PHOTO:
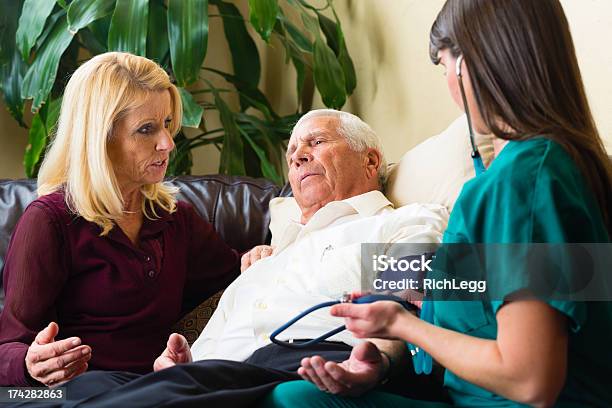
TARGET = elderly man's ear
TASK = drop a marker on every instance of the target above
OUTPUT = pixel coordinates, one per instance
(373, 160)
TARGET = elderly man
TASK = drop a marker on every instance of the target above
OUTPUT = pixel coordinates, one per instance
(336, 171)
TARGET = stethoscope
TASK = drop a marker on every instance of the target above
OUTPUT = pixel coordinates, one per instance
(422, 360)
(479, 167)
(346, 298)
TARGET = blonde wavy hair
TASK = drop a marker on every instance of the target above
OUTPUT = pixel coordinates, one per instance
(99, 92)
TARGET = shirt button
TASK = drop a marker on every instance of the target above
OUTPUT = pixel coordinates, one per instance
(151, 274)
(147, 258)
(261, 305)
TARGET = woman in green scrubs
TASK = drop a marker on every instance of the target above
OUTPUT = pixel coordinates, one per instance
(550, 182)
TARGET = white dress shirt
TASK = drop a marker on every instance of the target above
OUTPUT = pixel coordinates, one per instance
(312, 263)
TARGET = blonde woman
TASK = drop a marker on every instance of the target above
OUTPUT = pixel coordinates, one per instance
(102, 264)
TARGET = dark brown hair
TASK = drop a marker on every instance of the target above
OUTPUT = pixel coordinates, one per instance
(523, 68)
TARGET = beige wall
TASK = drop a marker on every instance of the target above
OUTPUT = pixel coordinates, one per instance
(13, 141)
(404, 97)
(591, 24)
(399, 92)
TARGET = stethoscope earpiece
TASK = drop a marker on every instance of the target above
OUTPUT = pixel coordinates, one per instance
(458, 66)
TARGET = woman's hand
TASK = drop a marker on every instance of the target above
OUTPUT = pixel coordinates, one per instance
(381, 319)
(254, 255)
(54, 362)
(177, 351)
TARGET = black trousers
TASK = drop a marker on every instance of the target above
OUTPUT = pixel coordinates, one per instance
(216, 383)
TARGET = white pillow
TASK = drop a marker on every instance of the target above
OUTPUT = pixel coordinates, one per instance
(435, 170)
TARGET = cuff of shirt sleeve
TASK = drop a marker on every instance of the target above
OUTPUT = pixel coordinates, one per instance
(14, 366)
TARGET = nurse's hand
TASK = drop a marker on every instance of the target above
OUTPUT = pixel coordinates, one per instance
(254, 255)
(54, 362)
(177, 352)
(364, 369)
(373, 320)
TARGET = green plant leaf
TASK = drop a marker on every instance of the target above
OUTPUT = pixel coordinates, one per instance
(293, 53)
(267, 168)
(328, 76)
(188, 37)
(350, 76)
(128, 27)
(297, 36)
(284, 125)
(12, 67)
(37, 140)
(31, 24)
(192, 112)
(271, 141)
(305, 4)
(157, 37)
(52, 115)
(255, 97)
(311, 24)
(300, 70)
(11, 10)
(262, 14)
(99, 28)
(232, 154)
(11, 76)
(41, 75)
(328, 26)
(181, 158)
(49, 25)
(90, 41)
(245, 57)
(335, 40)
(67, 65)
(43, 125)
(82, 12)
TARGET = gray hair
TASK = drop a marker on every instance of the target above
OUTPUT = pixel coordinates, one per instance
(358, 134)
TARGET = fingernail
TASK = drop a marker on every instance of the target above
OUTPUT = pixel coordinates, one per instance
(85, 351)
(76, 341)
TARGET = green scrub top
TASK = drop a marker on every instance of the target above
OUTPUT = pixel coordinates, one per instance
(533, 192)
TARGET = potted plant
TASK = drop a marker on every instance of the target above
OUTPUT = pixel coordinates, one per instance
(43, 41)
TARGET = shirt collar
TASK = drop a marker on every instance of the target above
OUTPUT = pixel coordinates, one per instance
(153, 226)
(365, 205)
(369, 203)
(149, 228)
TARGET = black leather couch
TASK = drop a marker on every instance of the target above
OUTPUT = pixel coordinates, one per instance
(236, 206)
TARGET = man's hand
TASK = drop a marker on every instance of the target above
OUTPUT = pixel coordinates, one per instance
(177, 351)
(254, 255)
(361, 372)
(54, 362)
